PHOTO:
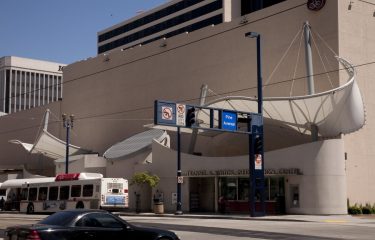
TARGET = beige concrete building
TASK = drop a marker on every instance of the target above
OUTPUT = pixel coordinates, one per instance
(112, 96)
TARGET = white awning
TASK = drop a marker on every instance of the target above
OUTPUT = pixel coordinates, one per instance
(340, 110)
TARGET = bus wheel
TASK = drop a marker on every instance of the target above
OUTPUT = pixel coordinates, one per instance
(80, 205)
(30, 208)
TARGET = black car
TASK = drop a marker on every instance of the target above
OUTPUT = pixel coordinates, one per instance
(84, 224)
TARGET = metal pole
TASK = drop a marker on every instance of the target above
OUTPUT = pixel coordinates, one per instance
(179, 201)
(308, 54)
(194, 134)
(256, 180)
(310, 73)
(67, 124)
(259, 76)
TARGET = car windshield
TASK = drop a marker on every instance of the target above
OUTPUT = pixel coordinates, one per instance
(59, 218)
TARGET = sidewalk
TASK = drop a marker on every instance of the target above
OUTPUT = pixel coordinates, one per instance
(290, 218)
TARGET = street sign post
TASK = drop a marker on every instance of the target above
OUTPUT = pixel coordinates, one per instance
(182, 115)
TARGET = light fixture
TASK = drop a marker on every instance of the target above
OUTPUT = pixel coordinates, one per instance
(164, 42)
(244, 21)
(350, 5)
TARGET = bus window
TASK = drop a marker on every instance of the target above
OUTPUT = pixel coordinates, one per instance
(3, 192)
(87, 190)
(53, 191)
(42, 193)
(24, 193)
(76, 191)
(32, 194)
(64, 192)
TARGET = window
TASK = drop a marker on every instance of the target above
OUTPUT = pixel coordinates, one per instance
(211, 7)
(233, 188)
(59, 219)
(64, 192)
(149, 18)
(42, 193)
(99, 220)
(87, 190)
(24, 193)
(248, 6)
(243, 189)
(76, 191)
(53, 192)
(228, 188)
(32, 194)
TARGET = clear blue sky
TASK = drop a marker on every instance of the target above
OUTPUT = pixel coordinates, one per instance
(61, 31)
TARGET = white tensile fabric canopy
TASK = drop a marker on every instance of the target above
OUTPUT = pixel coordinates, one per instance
(340, 110)
(136, 143)
(49, 145)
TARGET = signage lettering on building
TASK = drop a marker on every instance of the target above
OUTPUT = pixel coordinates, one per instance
(232, 172)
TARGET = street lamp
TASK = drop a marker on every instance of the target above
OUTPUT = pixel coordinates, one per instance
(259, 69)
(256, 172)
(68, 124)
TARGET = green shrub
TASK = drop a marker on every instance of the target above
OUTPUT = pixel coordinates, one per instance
(147, 178)
(373, 209)
(355, 209)
(366, 209)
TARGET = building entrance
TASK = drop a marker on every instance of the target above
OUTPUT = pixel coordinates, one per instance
(202, 194)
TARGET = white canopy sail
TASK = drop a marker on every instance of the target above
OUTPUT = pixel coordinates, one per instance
(336, 111)
(49, 145)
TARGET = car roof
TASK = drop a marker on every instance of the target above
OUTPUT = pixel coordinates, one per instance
(82, 210)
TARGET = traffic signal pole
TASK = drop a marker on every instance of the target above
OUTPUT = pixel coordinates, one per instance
(256, 150)
(179, 197)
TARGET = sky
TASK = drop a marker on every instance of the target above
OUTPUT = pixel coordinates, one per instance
(61, 31)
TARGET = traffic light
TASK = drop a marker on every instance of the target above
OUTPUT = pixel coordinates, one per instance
(258, 145)
(190, 116)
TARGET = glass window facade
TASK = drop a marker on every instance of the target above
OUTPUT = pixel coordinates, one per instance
(147, 19)
(249, 6)
(211, 7)
(237, 188)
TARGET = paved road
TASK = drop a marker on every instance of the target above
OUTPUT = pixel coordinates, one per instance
(269, 228)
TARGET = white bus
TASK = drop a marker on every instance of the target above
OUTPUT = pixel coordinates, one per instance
(72, 190)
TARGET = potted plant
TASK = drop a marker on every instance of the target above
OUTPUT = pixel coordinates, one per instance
(150, 180)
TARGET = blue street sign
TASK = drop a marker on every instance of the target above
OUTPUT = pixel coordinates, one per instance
(165, 113)
(229, 120)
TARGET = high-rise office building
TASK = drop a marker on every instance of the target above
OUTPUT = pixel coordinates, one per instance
(27, 83)
(173, 18)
